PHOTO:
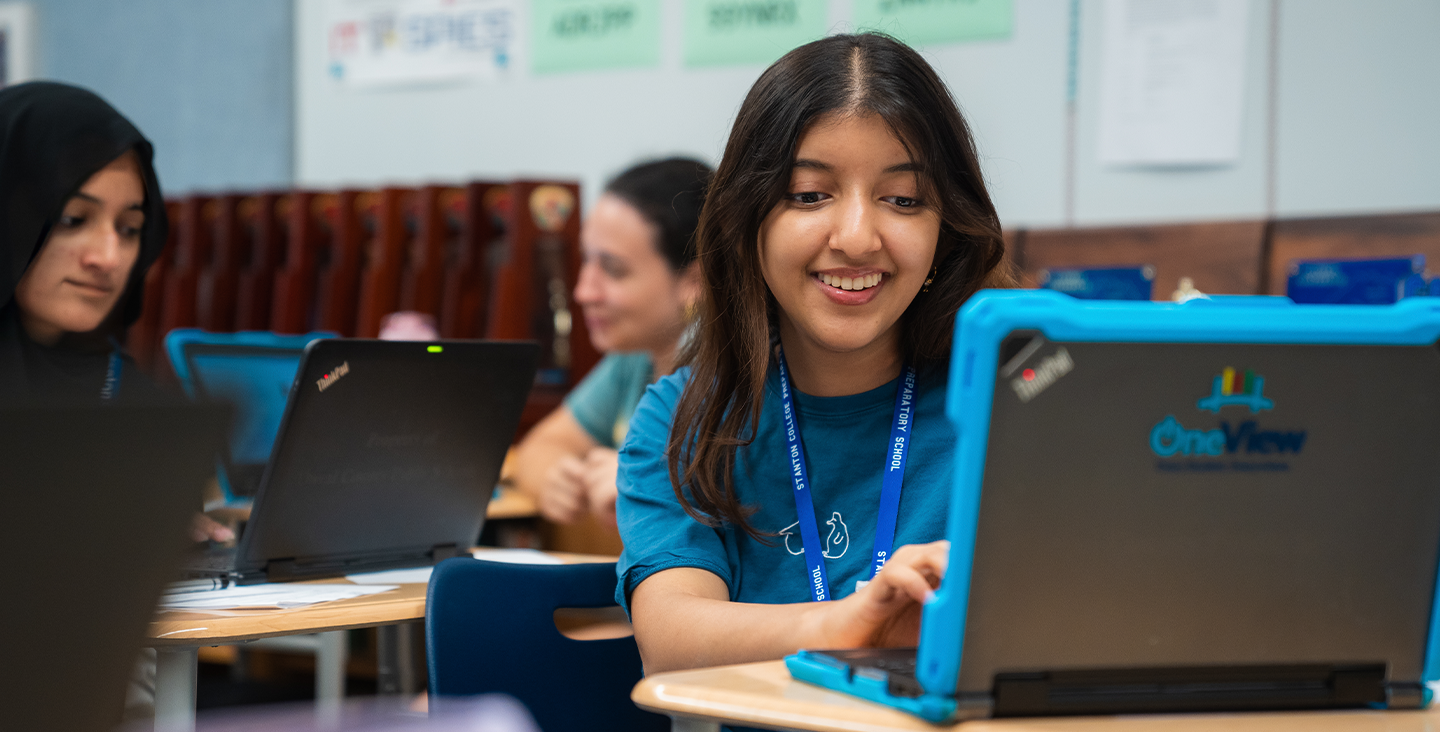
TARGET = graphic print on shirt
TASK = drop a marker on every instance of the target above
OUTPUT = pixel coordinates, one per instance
(835, 544)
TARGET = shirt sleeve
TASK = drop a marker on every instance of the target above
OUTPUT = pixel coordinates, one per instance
(595, 401)
(658, 534)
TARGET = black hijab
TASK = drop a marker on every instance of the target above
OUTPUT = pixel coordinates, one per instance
(53, 137)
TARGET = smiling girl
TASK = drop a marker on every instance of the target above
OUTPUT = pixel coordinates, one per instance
(803, 454)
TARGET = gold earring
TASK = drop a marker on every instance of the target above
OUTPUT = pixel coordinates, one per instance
(691, 311)
(933, 271)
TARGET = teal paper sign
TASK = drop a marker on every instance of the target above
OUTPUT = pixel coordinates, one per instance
(721, 32)
(583, 35)
(919, 22)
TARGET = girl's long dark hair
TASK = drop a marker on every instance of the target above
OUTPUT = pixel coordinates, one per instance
(848, 74)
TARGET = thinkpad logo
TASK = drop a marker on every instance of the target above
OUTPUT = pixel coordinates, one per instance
(1031, 382)
(324, 382)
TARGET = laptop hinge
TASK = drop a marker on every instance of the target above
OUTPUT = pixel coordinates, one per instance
(290, 569)
(1234, 688)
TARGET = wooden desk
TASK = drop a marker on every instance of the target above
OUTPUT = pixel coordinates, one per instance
(177, 636)
(510, 503)
(764, 695)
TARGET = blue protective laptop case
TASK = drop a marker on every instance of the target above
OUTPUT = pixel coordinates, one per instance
(989, 318)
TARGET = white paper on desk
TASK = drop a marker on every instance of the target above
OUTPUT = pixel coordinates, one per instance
(392, 576)
(516, 556)
(1172, 81)
(281, 595)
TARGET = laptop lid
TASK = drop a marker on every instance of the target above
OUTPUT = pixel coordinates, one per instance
(388, 452)
(93, 522)
(1234, 483)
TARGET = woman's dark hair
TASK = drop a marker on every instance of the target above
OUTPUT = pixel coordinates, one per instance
(864, 74)
(668, 193)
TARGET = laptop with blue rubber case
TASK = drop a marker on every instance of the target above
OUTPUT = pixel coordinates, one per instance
(1227, 504)
(251, 370)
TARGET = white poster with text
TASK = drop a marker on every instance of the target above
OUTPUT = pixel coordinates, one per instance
(1172, 82)
(398, 42)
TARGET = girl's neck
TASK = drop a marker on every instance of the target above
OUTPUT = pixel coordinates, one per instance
(820, 372)
(662, 360)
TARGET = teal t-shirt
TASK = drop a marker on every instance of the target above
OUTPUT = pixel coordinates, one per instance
(604, 400)
(846, 440)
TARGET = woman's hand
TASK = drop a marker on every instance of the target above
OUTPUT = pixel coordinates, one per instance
(204, 528)
(886, 612)
(601, 466)
(562, 496)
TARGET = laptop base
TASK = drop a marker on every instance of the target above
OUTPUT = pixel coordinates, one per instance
(887, 676)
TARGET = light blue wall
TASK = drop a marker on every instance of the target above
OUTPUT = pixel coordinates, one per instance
(208, 81)
(1356, 124)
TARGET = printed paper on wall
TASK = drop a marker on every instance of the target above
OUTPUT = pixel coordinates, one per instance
(1172, 82)
(721, 32)
(396, 42)
(585, 35)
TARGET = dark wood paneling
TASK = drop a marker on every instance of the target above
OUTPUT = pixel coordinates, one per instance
(1349, 237)
(382, 213)
(337, 283)
(1219, 257)
(263, 244)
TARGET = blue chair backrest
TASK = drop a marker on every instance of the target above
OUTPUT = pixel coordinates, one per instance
(489, 627)
(251, 369)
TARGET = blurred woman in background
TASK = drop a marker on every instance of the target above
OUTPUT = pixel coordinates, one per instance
(638, 286)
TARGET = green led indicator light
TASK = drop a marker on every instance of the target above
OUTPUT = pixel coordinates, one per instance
(434, 349)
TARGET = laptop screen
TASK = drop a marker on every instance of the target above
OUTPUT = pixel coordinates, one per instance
(256, 380)
(1168, 504)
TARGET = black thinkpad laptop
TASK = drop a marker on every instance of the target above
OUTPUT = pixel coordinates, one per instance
(387, 455)
(1222, 505)
(95, 507)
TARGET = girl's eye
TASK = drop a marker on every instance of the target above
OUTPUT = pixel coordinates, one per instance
(71, 222)
(807, 198)
(905, 202)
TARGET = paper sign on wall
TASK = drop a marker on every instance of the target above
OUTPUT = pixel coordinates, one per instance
(1173, 82)
(381, 42)
(936, 21)
(749, 31)
(583, 35)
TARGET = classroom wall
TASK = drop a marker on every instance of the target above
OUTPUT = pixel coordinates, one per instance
(209, 82)
(1352, 83)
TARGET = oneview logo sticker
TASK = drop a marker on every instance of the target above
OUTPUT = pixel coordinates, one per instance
(1250, 446)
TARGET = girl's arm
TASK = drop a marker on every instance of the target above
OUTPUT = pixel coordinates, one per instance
(684, 618)
(549, 465)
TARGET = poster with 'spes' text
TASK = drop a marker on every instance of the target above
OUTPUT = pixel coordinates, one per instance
(398, 42)
(924, 22)
(586, 35)
(719, 32)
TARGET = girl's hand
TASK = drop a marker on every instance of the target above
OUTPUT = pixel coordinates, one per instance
(886, 612)
(601, 466)
(562, 491)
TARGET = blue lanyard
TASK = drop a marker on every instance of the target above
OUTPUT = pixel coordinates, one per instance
(111, 387)
(890, 485)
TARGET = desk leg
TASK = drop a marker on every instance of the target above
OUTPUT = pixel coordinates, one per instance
(175, 688)
(691, 724)
(330, 672)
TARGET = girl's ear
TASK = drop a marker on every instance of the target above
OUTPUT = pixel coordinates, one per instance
(688, 281)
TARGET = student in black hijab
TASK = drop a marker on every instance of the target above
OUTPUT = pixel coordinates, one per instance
(81, 220)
